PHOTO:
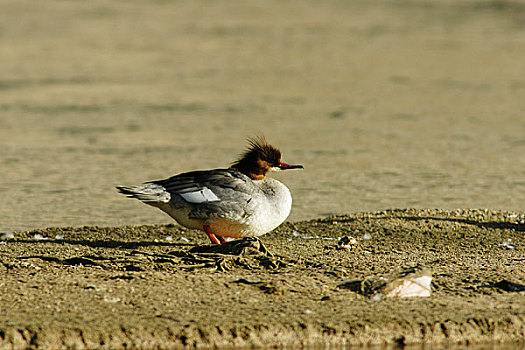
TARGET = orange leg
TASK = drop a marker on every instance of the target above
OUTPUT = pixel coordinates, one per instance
(221, 239)
(212, 236)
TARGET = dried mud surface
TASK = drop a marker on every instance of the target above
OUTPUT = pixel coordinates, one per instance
(158, 287)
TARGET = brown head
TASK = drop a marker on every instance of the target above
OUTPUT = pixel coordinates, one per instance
(260, 158)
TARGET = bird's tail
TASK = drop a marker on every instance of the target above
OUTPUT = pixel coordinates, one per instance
(151, 194)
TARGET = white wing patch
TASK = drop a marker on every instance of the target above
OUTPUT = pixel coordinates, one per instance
(200, 196)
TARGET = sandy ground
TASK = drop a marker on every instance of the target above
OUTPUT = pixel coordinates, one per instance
(387, 104)
(146, 286)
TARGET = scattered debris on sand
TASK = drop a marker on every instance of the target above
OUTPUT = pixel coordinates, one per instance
(115, 287)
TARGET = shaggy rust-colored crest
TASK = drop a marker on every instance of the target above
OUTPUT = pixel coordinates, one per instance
(258, 159)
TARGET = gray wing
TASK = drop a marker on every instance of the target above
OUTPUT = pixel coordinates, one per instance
(220, 193)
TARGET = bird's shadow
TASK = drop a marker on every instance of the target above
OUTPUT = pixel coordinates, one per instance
(104, 243)
(98, 260)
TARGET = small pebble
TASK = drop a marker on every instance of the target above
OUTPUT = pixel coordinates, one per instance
(7, 235)
(377, 297)
(367, 236)
(507, 244)
(347, 242)
(111, 300)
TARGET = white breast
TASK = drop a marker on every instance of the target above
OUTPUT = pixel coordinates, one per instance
(273, 207)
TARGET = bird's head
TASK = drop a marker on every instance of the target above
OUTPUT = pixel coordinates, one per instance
(260, 158)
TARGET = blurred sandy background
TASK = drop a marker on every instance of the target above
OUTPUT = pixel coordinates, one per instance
(386, 103)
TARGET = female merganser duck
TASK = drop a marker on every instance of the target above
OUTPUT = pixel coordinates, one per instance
(239, 201)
